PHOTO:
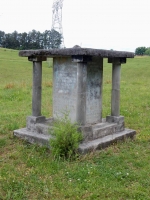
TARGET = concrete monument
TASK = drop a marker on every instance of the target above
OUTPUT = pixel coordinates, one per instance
(77, 88)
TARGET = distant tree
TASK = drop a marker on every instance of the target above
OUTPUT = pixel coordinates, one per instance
(140, 51)
(55, 39)
(2, 38)
(147, 52)
(14, 37)
(32, 40)
(51, 39)
(7, 43)
(45, 39)
(23, 41)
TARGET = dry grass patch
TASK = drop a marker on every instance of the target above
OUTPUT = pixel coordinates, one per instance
(9, 86)
(48, 84)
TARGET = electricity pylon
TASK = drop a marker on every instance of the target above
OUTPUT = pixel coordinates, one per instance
(57, 18)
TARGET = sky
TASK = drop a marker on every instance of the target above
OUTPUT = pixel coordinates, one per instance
(102, 24)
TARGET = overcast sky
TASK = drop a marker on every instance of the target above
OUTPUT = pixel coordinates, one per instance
(103, 24)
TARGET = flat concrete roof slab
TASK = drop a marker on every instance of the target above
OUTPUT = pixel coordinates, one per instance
(76, 51)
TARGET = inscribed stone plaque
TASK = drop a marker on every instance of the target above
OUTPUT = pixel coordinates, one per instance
(64, 88)
(94, 91)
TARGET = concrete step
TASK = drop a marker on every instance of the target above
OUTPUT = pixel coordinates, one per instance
(100, 125)
(85, 147)
(103, 129)
(33, 137)
(44, 127)
(94, 132)
(105, 141)
(98, 130)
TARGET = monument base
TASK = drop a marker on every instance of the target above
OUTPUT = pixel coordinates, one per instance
(95, 136)
(106, 141)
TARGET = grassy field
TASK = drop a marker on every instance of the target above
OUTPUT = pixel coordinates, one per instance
(120, 172)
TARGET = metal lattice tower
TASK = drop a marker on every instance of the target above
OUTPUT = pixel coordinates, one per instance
(57, 18)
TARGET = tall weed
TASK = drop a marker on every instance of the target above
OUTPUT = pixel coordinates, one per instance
(66, 138)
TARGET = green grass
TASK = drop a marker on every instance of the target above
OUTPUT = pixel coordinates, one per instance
(27, 171)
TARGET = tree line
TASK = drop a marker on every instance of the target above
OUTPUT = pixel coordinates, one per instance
(49, 39)
(142, 51)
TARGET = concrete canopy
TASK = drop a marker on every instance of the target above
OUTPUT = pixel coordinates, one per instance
(76, 51)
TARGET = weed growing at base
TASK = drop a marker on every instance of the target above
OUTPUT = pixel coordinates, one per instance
(66, 138)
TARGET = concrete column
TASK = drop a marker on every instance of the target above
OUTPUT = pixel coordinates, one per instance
(37, 84)
(36, 89)
(81, 92)
(115, 96)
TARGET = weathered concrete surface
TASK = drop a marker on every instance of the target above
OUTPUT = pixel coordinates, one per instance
(96, 136)
(81, 92)
(37, 85)
(105, 141)
(115, 94)
(76, 51)
(104, 128)
(37, 130)
(78, 89)
(33, 137)
(94, 91)
(37, 88)
(39, 124)
(64, 88)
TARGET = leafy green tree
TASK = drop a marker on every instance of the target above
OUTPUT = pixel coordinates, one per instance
(140, 51)
(51, 39)
(46, 39)
(147, 52)
(2, 38)
(14, 37)
(32, 40)
(23, 41)
(7, 43)
(55, 39)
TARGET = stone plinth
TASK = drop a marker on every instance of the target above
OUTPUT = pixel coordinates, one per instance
(77, 89)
